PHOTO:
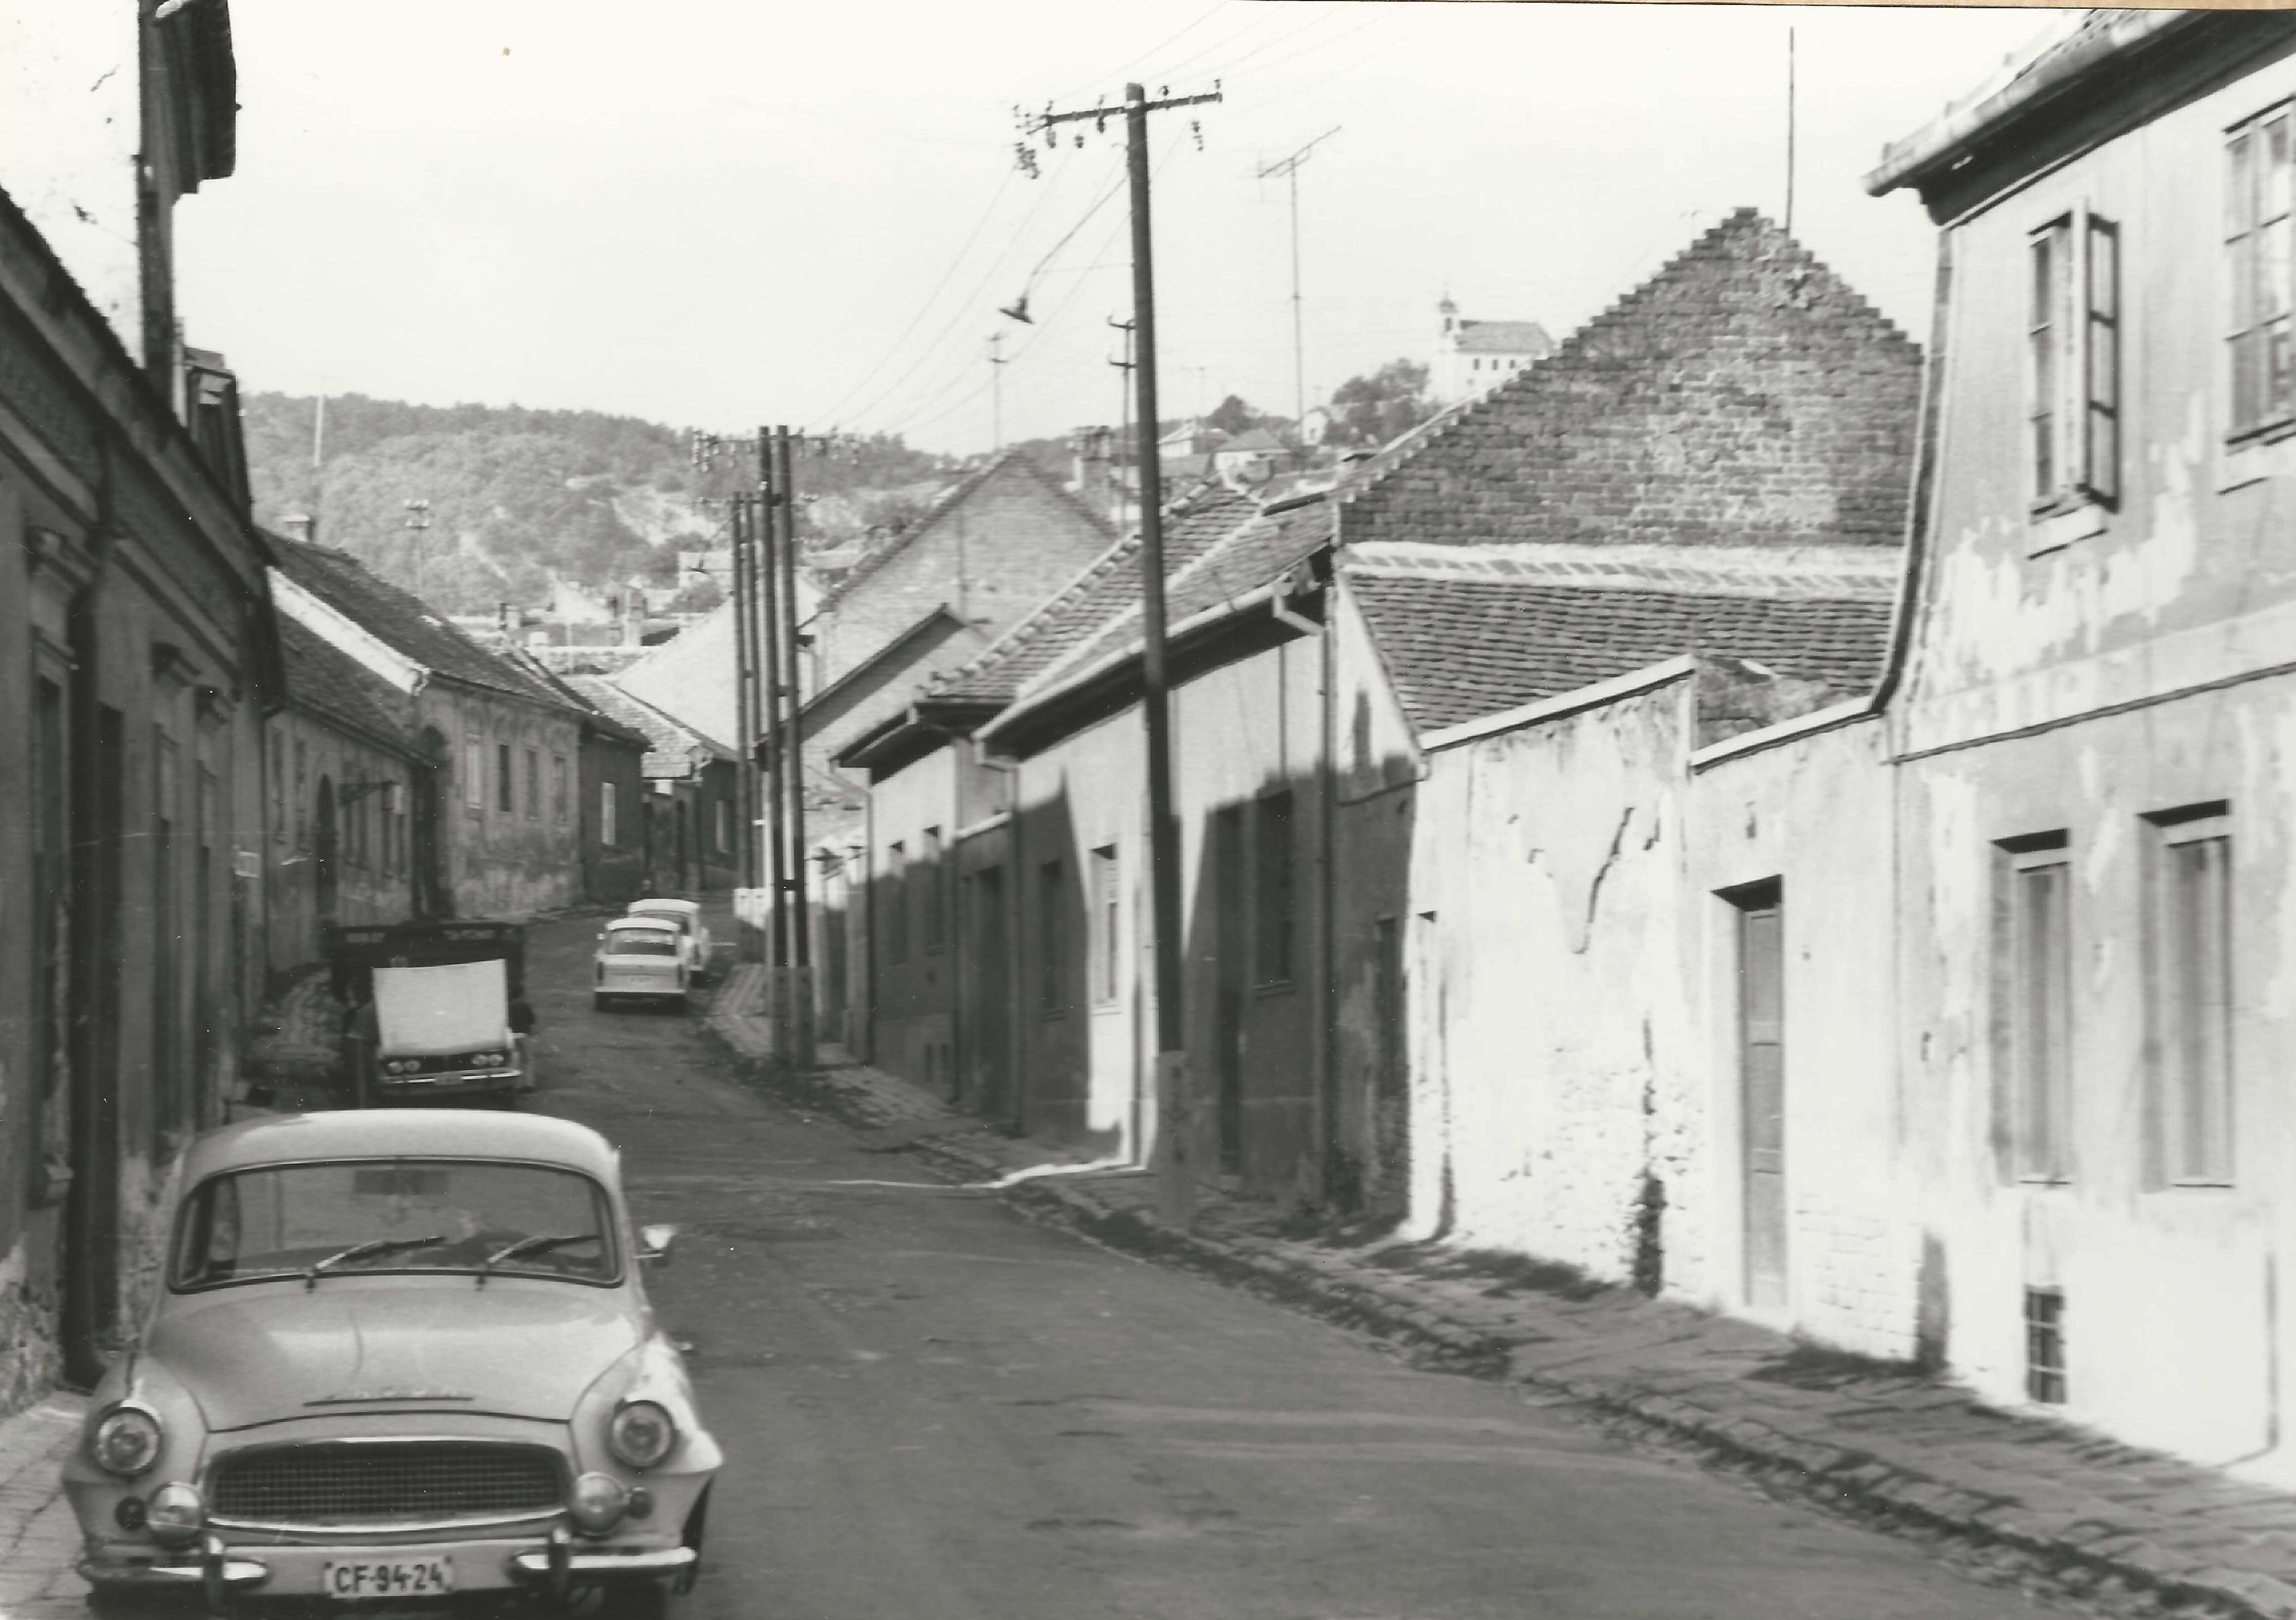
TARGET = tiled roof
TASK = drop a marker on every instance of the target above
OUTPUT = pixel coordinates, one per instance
(1744, 395)
(338, 688)
(948, 503)
(1460, 648)
(403, 622)
(673, 748)
(1240, 561)
(1504, 337)
(1110, 586)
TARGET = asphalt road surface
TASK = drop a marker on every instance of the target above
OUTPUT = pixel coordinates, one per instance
(932, 1408)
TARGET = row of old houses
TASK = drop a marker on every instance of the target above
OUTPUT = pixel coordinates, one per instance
(1747, 805)
(215, 740)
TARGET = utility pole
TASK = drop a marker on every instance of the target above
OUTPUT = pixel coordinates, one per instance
(1289, 167)
(769, 662)
(997, 364)
(792, 766)
(745, 707)
(1124, 418)
(1175, 1185)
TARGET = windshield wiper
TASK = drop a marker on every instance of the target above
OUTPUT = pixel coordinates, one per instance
(361, 1251)
(532, 1245)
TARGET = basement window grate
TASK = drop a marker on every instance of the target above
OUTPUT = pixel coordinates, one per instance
(2045, 1346)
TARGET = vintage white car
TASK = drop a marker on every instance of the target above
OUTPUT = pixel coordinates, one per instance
(399, 1354)
(687, 915)
(648, 957)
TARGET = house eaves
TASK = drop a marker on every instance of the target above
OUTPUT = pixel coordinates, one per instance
(347, 636)
(1234, 627)
(2103, 44)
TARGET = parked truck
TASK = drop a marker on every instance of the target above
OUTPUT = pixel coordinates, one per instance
(438, 1011)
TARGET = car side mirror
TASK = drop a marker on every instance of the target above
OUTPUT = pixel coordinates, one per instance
(654, 1244)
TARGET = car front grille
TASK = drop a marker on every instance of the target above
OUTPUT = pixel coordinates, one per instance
(394, 1482)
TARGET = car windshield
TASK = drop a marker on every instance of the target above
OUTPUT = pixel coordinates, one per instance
(641, 942)
(401, 1215)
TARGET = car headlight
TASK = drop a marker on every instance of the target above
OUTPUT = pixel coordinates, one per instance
(640, 1433)
(598, 1502)
(175, 1515)
(126, 1442)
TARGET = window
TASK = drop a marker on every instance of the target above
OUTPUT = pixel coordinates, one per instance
(1107, 935)
(2188, 963)
(1272, 913)
(2037, 1011)
(533, 786)
(2074, 338)
(2257, 228)
(936, 918)
(302, 794)
(2045, 1346)
(608, 803)
(505, 792)
(558, 794)
(474, 774)
(897, 903)
(1052, 994)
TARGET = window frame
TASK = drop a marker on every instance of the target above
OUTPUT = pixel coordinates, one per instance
(2246, 196)
(505, 780)
(474, 774)
(2171, 1158)
(2037, 1108)
(1107, 925)
(2072, 333)
(534, 784)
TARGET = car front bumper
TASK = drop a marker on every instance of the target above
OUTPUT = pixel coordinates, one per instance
(557, 1563)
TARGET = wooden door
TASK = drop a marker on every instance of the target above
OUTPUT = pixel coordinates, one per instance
(1761, 1069)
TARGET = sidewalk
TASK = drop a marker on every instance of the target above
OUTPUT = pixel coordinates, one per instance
(2036, 1501)
(39, 1537)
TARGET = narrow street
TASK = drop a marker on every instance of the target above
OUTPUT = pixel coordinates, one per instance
(930, 1406)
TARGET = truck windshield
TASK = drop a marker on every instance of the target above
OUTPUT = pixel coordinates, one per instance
(280, 1220)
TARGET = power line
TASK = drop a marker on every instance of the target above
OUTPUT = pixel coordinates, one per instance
(1219, 6)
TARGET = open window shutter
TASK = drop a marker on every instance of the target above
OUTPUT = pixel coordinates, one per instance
(2101, 358)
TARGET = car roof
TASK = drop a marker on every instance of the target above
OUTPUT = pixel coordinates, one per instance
(398, 1132)
(692, 908)
(655, 925)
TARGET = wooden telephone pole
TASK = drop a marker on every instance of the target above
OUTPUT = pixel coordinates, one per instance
(1176, 1182)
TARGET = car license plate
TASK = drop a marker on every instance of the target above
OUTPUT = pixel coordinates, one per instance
(387, 1577)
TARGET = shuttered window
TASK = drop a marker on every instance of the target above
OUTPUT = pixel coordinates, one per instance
(2258, 229)
(2073, 339)
(2188, 960)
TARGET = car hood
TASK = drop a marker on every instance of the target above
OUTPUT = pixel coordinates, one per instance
(264, 1351)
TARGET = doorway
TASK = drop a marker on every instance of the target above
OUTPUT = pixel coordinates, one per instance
(431, 895)
(1761, 1088)
(1229, 967)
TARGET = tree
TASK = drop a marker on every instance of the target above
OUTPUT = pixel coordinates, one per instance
(1232, 415)
(1368, 412)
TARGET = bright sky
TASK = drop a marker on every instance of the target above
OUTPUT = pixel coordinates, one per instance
(718, 212)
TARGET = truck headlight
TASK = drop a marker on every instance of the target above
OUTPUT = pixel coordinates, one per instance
(175, 1515)
(126, 1442)
(642, 1434)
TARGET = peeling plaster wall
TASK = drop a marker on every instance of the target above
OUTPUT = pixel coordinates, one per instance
(2170, 1290)
(1815, 814)
(506, 863)
(2045, 696)
(1566, 1061)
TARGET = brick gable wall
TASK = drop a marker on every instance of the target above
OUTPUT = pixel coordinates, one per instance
(1743, 394)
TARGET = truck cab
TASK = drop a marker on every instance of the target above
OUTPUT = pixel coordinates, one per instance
(439, 1012)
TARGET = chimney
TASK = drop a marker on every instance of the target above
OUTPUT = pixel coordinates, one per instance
(1095, 485)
